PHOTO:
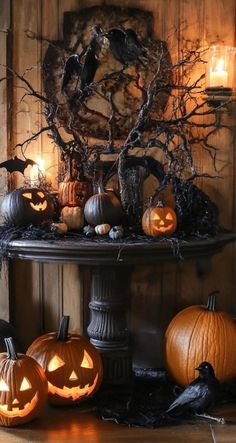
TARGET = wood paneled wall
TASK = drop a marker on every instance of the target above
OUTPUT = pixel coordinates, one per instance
(40, 293)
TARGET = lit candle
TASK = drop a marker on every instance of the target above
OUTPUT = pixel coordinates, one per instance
(219, 77)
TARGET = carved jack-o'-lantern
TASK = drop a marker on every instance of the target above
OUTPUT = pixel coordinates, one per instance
(23, 387)
(72, 365)
(74, 192)
(27, 205)
(159, 220)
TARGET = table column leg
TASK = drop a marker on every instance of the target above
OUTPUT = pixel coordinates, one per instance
(108, 328)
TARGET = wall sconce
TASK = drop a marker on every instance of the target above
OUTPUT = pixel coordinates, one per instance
(220, 74)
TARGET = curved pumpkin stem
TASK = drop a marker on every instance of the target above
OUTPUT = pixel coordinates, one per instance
(11, 352)
(63, 328)
(211, 302)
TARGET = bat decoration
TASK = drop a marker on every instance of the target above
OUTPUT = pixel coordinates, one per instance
(17, 164)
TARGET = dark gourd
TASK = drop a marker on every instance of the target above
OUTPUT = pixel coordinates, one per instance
(26, 206)
(104, 207)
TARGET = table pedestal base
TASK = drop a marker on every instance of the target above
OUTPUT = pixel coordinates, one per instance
(108, 328)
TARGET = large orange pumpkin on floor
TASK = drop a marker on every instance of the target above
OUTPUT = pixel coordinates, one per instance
(159, 220)
(71, 363)
(23, 387)
(200, 333)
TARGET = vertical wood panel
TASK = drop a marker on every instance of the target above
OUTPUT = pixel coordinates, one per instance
(5, 24)
(26, 299)
(72, 296)
(222, 189)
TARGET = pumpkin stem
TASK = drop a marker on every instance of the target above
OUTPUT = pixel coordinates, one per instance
(63, 328)
(160, 204)
(11, 352)
(101, 189)
(211, 301)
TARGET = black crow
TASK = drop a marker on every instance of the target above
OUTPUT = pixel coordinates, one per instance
(134, 44)
(125, 45)
(198, 396)
(85, 64)
(89, 66)
(72, 67)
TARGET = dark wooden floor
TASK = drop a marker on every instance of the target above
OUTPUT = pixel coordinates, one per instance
(79, 425)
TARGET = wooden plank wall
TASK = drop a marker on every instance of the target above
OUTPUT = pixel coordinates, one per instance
(41, 293)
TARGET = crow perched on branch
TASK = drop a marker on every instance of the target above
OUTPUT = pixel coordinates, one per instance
(85, 64)
(72, 67)
(125, 45)
(198, 396)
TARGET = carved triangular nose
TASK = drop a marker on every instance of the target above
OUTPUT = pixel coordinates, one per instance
(73, 376)
(15, 401)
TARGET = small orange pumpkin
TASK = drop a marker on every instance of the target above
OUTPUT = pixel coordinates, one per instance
(159, 220)
(72, 365)
(200, 333)
(23, 387)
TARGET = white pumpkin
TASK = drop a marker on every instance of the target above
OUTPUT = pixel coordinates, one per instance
(102, 229)
(73, 217)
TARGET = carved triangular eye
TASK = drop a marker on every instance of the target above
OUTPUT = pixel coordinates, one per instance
(87, 361)
(169, 216)
(25, 385)
(156, 217)
(27, 195)
(40, 194)
(55, 363)
(3, 386)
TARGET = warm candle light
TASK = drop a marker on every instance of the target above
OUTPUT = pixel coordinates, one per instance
(219, 77)
(220, 67)
(36, 171)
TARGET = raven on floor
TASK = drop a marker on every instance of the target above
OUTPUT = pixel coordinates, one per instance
(198, 396)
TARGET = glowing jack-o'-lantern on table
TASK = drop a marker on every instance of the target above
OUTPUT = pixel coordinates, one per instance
(72, 365)
(159, 220)
(23, 387)
(27, 205)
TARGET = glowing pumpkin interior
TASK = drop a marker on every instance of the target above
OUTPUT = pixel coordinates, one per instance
(37, 201)
(16, 407)
(162, 221)
(72, 387)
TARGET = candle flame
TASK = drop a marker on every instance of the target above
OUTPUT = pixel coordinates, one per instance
(220, 65)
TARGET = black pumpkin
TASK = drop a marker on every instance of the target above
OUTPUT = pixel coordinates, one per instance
(104, 207)
(26, 206)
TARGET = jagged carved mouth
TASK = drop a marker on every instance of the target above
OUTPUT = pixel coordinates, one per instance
(164, 228)
(17, 411)
(75, 392)
(39, 206)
